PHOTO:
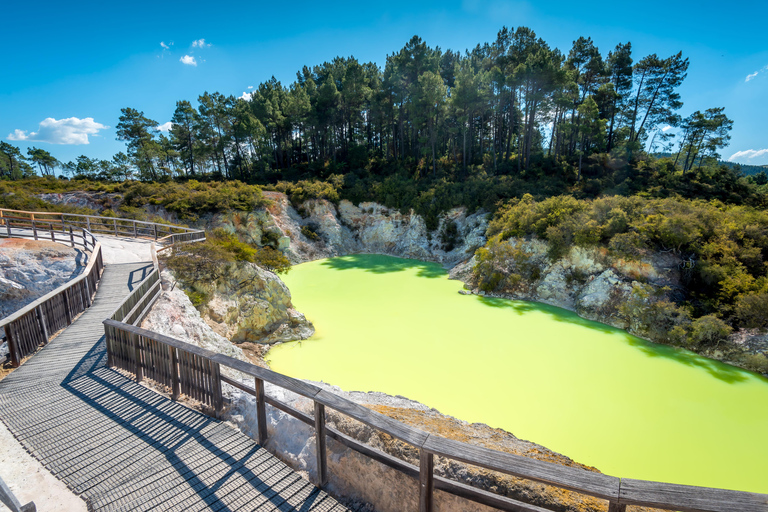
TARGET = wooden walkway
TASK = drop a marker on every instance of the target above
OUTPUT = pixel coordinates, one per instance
(124, 447)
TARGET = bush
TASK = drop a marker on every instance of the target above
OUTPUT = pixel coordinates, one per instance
(709, 330)
(501, 266)
(752, 310)
(449, 235)
(191, 198)
(198, 264)
(755, 362)
(310, 233)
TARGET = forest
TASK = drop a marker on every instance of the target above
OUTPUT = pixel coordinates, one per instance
(513, 106)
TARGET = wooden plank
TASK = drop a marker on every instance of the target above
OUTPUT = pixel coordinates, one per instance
(320, 451)
(261, 411)
(575, 479)
(175, 383)
(689, 498)
(426, 480)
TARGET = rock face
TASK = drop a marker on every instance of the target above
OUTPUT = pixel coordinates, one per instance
(98, 201)
(174, 315)
(324, 230)
(585, 280)
(250, 304)
(29, 269)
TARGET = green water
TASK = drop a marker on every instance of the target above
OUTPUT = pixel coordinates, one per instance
(594, 393)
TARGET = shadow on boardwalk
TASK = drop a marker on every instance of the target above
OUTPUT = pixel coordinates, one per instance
(125, 447)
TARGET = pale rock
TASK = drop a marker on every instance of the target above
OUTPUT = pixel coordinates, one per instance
(601, 291)
(29, 269)
(174, 315)
(553, 288)
(252, 304)
(98, 201)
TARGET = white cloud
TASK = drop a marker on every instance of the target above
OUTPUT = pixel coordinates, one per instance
(749, 154)
(750, 77)
(165, 127)
(72, 131)
(666, 128)
(165, 46)
(200, 43)
(246, 96)
(250, 87)
(188, 60)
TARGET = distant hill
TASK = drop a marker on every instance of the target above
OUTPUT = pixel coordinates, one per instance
(747, 170)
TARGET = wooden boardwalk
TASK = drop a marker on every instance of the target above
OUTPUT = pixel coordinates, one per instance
(125, 447)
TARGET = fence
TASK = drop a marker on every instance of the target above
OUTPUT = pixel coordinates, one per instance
(196, 372)
(32, 326)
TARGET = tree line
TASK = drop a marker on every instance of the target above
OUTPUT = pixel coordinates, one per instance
(509, 106)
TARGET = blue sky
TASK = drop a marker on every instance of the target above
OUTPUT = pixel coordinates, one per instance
(68, 68)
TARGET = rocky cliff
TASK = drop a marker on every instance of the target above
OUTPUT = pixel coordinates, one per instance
(587, 281)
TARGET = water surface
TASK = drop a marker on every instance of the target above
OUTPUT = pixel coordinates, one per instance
(594, 393)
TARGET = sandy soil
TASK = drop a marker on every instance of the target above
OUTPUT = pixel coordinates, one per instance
(30, 481)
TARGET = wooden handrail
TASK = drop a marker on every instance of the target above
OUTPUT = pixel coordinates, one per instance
(619, 492)
(60, 215)
(32, 326)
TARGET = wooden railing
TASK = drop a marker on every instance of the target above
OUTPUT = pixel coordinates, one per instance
(196, 372)
(20, 219)
(29, 328)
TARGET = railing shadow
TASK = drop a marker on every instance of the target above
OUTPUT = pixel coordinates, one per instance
(137, 276)
(91, 380)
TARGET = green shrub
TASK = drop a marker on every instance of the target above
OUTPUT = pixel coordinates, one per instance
(627, 245)
(449, 235)
(752, 310)
(310, 233)
(755, 362)
(709, 330)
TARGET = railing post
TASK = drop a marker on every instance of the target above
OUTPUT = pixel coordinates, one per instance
(88, 223)
(50, 226)
(34, 228)
(87, 293)
(261, 411)
(67, 309)
(218, 397)
(322, 469)
(41, 318)
(137, 356)
(114, 222)
(109, 337)
(175, 381)
(135, 234)
(12, 349)
(615, 507)
(8, 227)
(155, 228)
(71, 237)
(426, 481)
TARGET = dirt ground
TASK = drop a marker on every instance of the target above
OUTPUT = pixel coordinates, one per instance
(30, 481)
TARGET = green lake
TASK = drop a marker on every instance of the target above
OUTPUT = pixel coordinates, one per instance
(594, 393)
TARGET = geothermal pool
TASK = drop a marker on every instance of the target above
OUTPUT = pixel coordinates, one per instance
(594, 393)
